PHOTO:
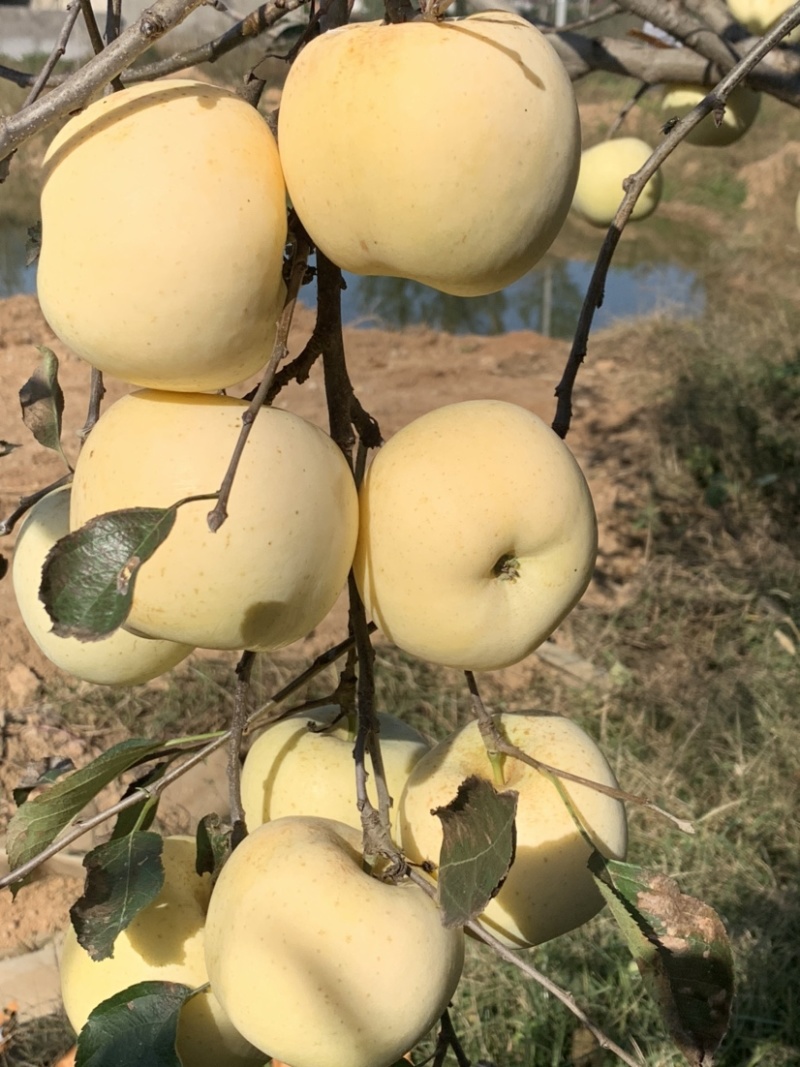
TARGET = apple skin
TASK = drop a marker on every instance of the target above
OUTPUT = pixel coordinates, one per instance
(293, 770)
(604, 167)
(740, 112)
(275, 567)
(119, 659)
(549, 889)
(445, 152)
(163, 229)
(758, 16)
(444, 503)
(164, 942)
(319, 963)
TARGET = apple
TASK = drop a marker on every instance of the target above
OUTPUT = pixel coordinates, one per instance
(549, 889)
(119, 659)
(740, 112)
(303, 765)
(604, 167)
(319, 962)
(761, 15)
(442, 151)
(273, 570)
(164, 942)
(163, 228)
(477, 535)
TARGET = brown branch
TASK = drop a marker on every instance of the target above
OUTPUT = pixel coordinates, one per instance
(218, 515)
(244, 669)
(98, 72)
(633, 187)
(26, 503)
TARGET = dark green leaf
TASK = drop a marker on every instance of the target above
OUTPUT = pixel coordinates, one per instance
(42, 773)
(42, 402)
(33, 243)
(477, 848)
(6, 448)
(142, 814)
(39, 821)
(213, 845)
(682, 950)
(122, 877)
(89, 575)
(134, 1028)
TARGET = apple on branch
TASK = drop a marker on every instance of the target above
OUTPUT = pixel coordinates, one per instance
(164, 942)
(440, 150)
(317, 960)
(274, 568)
(549, 889)
(477, 535)
(163, 229)
(604, 167)
(303, 765)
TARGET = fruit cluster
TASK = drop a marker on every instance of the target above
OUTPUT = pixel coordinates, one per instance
(472, 535)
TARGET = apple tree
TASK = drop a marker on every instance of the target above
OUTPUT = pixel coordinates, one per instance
(416, 147)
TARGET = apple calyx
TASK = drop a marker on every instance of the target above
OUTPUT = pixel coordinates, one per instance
(507, 568)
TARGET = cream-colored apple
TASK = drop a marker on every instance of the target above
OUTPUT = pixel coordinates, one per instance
(274, 569)
(443, 151)
(761, 15)
(163, 230)
(318, 962)
(303, 765)
(164, 942)
(119, 659)
(741, 109)
(549, 889)
(604, 167)
(477, 535)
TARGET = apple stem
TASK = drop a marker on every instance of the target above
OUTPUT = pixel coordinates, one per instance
(506, 568)
(489, 732)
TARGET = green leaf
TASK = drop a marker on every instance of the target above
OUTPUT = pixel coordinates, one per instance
(42, 403)
(33, 243)
(122, 877)
(42, 773)
(37, 823)
(213, 845)
(477, 848)
(135, 1027)
(3, 567)
(7, 447)
(682, 950)
(89, 575)
(139, 816)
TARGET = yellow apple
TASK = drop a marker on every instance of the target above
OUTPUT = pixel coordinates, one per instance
(303, 765)
(120, 659)
(477, 535)
(604, 167)
(445, 151)
(549, 889)
(318, 962)
(740, 112)
(761, 15)
(164, 942)
(274, 569)
(163, 229)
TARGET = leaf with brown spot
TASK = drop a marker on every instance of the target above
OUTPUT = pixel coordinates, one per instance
(682, 950)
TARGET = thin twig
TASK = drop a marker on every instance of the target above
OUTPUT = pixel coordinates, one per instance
(633, 187)
(546, 983)
(256, 718)
(448, 1038)
(72, 94)
(27, 502)
(580, 24)
(627, 108)
(244, 669)
(218, 515)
